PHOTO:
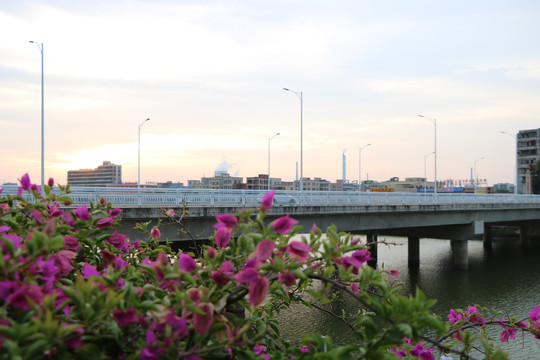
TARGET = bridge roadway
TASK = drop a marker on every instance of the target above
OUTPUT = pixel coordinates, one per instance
(455, 217)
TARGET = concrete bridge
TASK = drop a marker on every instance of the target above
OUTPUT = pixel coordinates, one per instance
(455, 217)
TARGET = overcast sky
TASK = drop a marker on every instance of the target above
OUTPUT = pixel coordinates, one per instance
(210, 76)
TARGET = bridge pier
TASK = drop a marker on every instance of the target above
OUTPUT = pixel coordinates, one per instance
(487, 236)
(524, 236)
(461, 254)
(413, 243)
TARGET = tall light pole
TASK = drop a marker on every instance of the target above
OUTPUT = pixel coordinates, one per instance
(425, 176)
(269, 159)
(517, 176)
(40, 47)
(139, 157)
(300, 96)
(475, 180)
(434, 121)
(360, 166)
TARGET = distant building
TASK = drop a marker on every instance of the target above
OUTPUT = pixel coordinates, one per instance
(503, 188)
(103, 175)
(317, 184)
(528, 152)
(257, 182)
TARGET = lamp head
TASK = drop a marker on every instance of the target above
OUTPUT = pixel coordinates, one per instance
(286, 89)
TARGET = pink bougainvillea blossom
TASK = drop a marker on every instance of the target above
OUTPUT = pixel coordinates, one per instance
(82, 213)
(211, 252)
(354, 287)
(186, 263)
(89, 270)
(394, 272)
(286, 278)
(38, 216)
(119, 241)
(267, 200)
(25, 293)
(223, 236)
(247, 275)
(125, 318)
(284, 224)
(257, 291)
(219, 278)
(105, 222)
(25, 182)
(454, 317)
(115, 212)
(70, 243)
(299, 250)
(227, 220)
(534, 315)
(264, 250)
(50, 182)
(203, 323)
(155, 233)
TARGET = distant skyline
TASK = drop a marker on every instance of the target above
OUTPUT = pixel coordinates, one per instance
(210, 76)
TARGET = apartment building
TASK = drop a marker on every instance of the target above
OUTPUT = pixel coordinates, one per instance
(103, 175)
(528, 152)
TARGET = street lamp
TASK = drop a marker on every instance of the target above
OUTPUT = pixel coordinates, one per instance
(300, 96)
(517, 176)
(139, 156)
(360, 166)
(425, 176)
(475, 175)
(269, 159)
(434, 121)
(40, 47)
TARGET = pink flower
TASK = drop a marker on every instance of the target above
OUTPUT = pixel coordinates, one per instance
(264, 250)
(25, 182)
(203, 323)
(186, 263)
(125, 318)
(219, 278)
(535, 314)
(257, 291)
(286, 278)
(454, 317)
(227, 220)
(211, 253)
(21, 296)
(299, 250)
(74, 340)
(267, 200)
(155, 233)
(284, 224)
(89, 270)
(38, 216)
(70, 243)
(223, 236)
(82, 213)
(354, 287)
(115, 212)
(105, 222)
(170, 213)
(119, 241)
(247, 275)
(50, 182)
(394, 272)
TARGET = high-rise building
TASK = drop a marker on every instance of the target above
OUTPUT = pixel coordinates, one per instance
(528, 152)
(103, 175)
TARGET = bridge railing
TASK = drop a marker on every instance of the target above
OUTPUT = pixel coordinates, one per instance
(143, 197)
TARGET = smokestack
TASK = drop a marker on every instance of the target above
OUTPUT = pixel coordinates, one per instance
(344, 166)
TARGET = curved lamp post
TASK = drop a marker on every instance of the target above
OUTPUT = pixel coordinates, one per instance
(300, 96)
(517, 176)
(360, 166)
(40, 47)
(475, 180)
(269, 139)
(434, 121)
(139, 157)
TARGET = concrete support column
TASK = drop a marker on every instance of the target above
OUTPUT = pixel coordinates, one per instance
(461, 254)
(414, 251)
(487, 236)
(372, 240)
(524, 237)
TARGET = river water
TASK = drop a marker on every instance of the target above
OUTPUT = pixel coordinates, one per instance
(504, 277)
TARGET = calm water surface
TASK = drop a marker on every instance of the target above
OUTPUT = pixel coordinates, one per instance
(503, 277)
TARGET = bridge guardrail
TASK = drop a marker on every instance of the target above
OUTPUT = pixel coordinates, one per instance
(250, 198)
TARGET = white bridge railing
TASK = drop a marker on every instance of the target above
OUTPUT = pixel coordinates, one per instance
(251, 198)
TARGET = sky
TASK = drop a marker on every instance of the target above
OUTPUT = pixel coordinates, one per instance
(210, 76)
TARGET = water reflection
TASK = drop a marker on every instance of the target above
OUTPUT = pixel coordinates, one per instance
(503, 276)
